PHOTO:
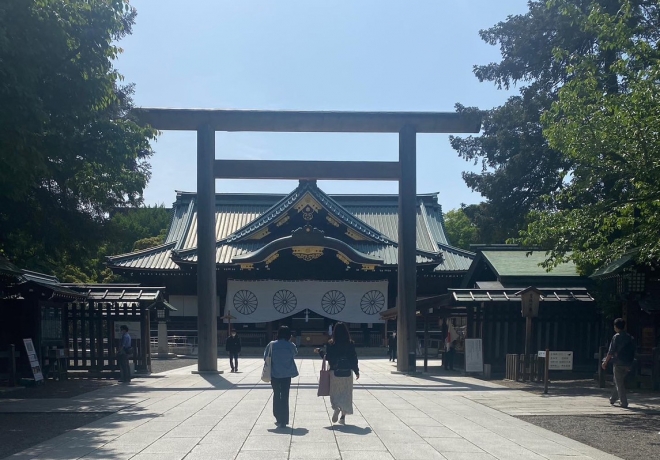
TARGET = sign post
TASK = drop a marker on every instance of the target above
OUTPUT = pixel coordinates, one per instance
(547, 371)
(34, 360)
(556, 361)
(474, 359)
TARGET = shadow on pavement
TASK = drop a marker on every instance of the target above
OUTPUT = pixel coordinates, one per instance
(289, 431)
(350, 429)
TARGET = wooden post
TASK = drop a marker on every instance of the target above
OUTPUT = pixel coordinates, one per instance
(655, 373)
(207, 322)
(528, 335)
(528, 347)
(517, 367)
(426, 343)
(406, 276)
(547, 371)
(146, 338)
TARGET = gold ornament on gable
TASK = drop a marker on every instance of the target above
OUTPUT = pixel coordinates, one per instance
(272, 258)
(260, 234)
(355, 235)
(332, 221)
(308, 253)
(343, 258)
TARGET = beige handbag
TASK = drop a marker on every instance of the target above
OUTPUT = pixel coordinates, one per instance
(265, 373)
(324, 381)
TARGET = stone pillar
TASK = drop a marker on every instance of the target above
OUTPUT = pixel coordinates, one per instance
(207, 322)
(163, 349)
(407, 276)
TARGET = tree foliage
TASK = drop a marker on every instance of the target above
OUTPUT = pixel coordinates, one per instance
(519, 166)
(70, 153)
(127, 230)
(607, 122)
(461, 232)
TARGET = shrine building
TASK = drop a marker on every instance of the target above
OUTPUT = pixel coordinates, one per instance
(306, 259)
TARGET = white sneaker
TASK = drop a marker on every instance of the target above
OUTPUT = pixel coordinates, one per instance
(335, 416)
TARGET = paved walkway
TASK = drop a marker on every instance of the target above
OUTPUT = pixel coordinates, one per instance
(229, 416)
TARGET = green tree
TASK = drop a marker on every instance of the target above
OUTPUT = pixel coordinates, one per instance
(607, 121)
(519, 166)
(70, 152)
(461, 232)
(127, 230)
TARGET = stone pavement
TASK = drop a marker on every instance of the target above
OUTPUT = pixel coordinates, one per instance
(229, 416)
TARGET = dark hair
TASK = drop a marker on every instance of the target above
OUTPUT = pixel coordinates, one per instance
(284, 333)
(123, 328)
(620, 323)
(340, 335)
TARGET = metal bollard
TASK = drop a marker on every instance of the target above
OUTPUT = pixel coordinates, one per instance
(412, 362)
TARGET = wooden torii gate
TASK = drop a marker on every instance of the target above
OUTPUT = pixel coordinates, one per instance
(207, 121)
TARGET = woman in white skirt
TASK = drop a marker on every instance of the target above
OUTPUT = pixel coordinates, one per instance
(342, 359)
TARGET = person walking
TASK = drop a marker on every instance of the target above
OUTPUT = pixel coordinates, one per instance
(622, 351)
(233, 347)
(343, 361)
(282, 370)
(391, 345)
(449, 356)
(124, 352)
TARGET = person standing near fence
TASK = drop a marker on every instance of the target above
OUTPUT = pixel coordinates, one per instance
(282, 370)
(124, 352)
(233, 347)
(622, 352)
(391, 345)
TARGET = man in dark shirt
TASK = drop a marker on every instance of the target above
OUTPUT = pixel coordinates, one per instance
(623, 355)
(124, 352)
(233, 347)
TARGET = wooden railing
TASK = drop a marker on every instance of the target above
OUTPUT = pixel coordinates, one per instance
(525, 368)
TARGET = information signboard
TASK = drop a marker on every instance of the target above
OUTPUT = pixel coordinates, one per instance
(474, 359)
(559, 360)
(34, 360)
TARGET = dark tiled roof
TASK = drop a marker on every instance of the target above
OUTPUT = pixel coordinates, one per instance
(374, 217)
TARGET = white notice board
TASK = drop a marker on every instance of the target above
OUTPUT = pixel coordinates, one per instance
(133, 329)
(559, 360)
(34, 360)
(474, 358)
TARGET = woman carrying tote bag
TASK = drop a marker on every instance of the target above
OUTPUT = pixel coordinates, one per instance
(342, 358)
(282, 369)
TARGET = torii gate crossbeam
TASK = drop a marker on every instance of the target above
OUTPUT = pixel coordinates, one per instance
(207, 121)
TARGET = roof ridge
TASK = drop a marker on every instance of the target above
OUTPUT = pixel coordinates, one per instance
(141, 251)
(427, 226)
(274, 211)
(449, 247)
(325, 200)
(332, 202)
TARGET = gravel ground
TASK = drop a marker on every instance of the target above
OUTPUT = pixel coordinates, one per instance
(20, 431)
(631, 437)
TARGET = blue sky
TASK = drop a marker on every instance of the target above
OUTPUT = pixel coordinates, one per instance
(312, 55)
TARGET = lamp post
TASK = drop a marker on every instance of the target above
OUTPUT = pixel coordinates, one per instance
(163, 309)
